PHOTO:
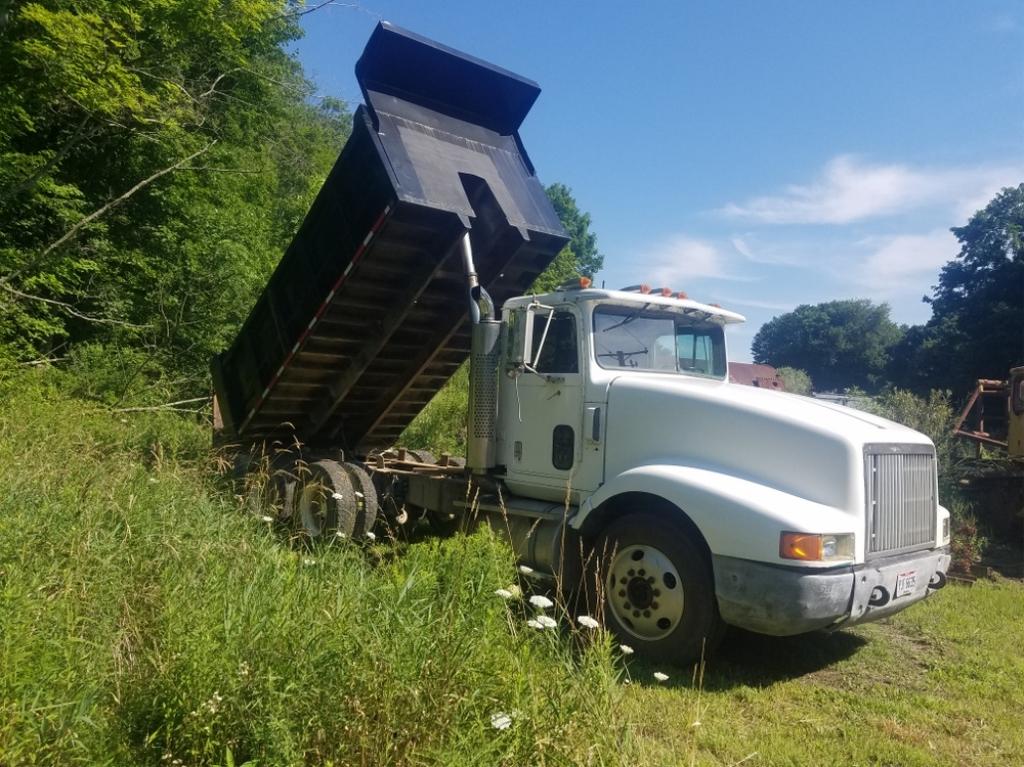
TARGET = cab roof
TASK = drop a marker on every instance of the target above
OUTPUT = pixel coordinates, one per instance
(686, 306)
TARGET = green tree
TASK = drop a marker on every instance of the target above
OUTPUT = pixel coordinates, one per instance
(977, 324)
(583, 242)
(840, 344)
(155, 157)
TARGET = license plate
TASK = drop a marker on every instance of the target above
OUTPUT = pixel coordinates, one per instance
(906, 584)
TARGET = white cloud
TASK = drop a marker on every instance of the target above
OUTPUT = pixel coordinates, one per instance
(850, 190)
(742, 248)
(906, 264)
(757, 303)
(680, 259)
(767, 254)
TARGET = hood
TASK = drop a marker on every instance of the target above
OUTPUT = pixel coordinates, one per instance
(795, 444)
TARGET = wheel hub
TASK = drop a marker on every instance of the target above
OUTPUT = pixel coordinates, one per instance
(644, 592)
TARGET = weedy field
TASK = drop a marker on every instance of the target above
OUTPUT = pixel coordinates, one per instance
(149, 616)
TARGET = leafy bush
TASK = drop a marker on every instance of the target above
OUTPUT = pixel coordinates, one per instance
(966, 543)
(796, 381)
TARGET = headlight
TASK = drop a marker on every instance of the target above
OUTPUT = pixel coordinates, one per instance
(945, 530)
(816, 547)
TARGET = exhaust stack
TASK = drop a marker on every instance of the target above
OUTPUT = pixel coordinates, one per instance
(484, 359)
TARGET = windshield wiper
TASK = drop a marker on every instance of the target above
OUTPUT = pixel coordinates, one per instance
(629, 318)
(623, 358)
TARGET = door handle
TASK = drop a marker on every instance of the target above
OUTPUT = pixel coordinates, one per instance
(594, 416)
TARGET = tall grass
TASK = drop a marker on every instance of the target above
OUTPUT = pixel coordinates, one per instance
(147, 618)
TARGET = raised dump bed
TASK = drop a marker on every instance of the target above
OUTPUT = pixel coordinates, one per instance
(366, 316)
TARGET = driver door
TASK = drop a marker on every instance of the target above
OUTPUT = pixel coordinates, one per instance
(542, 412)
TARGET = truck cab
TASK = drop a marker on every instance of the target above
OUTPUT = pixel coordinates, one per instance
(800, 515)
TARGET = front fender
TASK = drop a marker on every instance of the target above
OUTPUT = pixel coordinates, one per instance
(737, 517)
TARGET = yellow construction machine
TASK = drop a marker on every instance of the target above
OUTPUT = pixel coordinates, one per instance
(994, 415)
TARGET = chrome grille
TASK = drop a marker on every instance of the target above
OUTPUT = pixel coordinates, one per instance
(901, 498)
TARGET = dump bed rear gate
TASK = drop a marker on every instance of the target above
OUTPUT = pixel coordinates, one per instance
(365, 318)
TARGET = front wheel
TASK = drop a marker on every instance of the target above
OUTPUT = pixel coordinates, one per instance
(658, 591)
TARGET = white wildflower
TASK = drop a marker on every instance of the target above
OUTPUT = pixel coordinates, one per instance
(152, 480)
(370, 535)
(309, 562)
(340, 534)
(542, 622)
(525, 570)
(337, 496)
(660, 676)
(501, 721)
(357, 494)
(213, 704)
(503, 593)
(514, 590)
(541, 602)
(625, 649)
(587, 622)
(695, 724)
(265, 518)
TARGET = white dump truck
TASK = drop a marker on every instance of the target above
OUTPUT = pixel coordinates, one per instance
(604, 439)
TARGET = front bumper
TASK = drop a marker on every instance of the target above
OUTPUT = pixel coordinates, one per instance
(781, 600)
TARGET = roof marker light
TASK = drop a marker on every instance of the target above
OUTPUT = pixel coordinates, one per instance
(682, 294)
(665, 291)
(585, 282)
(645, 289)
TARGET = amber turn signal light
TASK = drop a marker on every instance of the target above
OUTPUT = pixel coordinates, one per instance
(816, 547)
(805, 546)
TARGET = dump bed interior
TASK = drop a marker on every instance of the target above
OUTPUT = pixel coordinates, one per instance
(366, 316)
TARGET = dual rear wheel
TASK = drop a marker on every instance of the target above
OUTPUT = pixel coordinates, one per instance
(327, 498)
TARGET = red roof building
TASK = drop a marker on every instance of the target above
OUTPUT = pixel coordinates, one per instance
(753, 374)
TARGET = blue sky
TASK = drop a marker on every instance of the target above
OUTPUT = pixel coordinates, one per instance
(757, 155)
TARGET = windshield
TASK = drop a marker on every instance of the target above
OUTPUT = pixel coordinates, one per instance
(640, 338)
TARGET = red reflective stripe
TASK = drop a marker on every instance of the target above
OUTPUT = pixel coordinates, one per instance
(360, 251)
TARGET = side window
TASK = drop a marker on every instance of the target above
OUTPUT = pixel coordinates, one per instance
(694, 350)
(560, 353)
(698, 352)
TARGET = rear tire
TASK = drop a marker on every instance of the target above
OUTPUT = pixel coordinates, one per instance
(365, 499)
(657, 590)
(326, 504)
(281, 494)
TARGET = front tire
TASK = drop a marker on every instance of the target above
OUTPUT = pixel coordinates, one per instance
(657, 589)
